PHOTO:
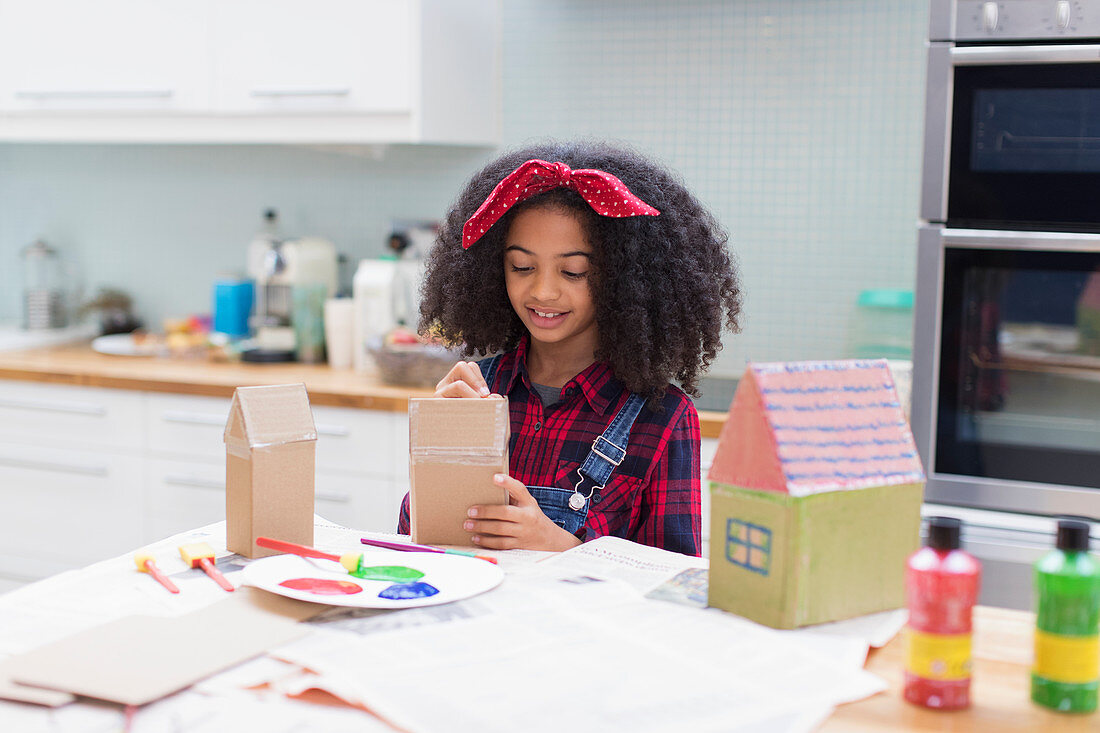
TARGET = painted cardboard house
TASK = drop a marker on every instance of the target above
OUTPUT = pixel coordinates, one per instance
(270, 444)
(815, 492)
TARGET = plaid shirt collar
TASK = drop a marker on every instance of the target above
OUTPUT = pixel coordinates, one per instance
(596, 382)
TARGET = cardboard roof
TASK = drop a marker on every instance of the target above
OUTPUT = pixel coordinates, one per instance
(270, 415)
(808, 427)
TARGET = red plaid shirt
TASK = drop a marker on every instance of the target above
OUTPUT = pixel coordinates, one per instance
(652, 497)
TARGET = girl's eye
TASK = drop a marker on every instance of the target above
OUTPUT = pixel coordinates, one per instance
(574, 275)
(516, 268)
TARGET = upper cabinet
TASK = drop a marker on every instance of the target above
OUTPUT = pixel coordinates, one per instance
(250, 71)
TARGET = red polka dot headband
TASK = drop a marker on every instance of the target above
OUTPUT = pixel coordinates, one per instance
(606, 194)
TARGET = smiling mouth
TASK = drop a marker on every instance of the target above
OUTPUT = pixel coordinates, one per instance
(542, 314)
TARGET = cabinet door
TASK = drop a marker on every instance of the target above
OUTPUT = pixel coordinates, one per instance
(139, 55)
(183, 495)
(66, 507)
(314, 55)
(59, 415)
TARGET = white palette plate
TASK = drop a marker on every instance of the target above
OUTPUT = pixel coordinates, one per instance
(452, 576)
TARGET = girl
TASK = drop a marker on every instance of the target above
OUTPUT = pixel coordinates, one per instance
(602, 280)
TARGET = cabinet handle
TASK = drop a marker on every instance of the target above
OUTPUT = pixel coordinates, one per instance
(95, 94)
(334, 498)
(194, 418)
(84, 469)
(75, 408)
(338, 431)
(194, 482)
(263, 92)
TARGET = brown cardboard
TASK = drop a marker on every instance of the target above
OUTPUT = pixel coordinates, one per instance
(455, 447)
(831, 556)
(139, 659)
(270, 441)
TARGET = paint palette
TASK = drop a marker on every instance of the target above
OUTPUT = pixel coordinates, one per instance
(389, 579)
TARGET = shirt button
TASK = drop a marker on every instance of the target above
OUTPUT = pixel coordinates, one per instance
(538, 426)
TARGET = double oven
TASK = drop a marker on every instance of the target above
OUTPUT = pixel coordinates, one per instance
(1006, 358)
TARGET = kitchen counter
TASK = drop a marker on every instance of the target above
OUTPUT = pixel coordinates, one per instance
(999, 691)
(79, 365)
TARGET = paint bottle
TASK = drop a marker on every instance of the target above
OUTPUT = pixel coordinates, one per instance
(1067, 584)
(941, 585)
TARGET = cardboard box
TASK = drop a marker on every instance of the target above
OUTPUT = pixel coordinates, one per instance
(816, 490)
(270, 442)
(455, 447)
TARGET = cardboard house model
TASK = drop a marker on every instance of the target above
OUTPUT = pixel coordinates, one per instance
(269, 468)
(815, 492)
(455, 447)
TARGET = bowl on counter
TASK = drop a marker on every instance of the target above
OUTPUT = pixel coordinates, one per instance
(412, 365)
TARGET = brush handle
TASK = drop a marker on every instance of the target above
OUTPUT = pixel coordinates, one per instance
(294, 549)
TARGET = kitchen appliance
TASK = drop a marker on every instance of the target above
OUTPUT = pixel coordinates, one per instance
(277, 265)
(1006, 358)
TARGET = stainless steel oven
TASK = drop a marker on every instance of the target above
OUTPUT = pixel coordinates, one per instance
(1006, 358)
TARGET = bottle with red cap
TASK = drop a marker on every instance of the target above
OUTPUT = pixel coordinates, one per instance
(941, 583)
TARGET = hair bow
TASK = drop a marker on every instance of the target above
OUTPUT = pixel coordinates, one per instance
(606, 194)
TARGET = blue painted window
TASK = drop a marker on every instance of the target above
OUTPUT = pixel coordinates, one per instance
(748, 545)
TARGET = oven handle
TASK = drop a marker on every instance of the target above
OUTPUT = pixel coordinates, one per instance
(1001, 55)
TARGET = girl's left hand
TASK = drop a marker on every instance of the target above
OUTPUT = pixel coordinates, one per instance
(520, 524)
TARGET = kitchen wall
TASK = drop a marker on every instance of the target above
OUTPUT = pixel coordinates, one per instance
(798, 122)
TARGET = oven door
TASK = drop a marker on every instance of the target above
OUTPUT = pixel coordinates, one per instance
(1013, 137)
(1006, 379)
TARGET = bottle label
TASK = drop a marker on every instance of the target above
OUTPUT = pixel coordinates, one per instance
(1067, 659)
(938, 656)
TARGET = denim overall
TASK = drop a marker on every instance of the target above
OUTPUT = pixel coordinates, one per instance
(569, 509)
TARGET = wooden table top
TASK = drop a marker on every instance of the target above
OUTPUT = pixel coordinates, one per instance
(79, 365)
(999, 692)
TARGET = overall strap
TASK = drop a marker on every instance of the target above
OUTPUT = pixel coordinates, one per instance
(489, 369)
(608, 451)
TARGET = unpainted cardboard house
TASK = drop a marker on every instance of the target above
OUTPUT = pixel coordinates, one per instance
(455, 447)
(815, 491)
(270, 441)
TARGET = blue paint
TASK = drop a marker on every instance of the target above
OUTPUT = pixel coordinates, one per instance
(406, 591)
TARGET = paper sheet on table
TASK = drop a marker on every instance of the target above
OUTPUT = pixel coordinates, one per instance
(640, 566)
(637, 666)
(876, 629)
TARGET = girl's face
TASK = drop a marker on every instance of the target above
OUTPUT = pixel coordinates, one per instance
(547, 261)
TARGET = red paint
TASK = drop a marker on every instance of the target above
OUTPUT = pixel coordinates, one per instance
(323, 586)
(941, 583)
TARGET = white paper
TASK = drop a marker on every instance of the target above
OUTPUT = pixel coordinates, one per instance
(640, 566)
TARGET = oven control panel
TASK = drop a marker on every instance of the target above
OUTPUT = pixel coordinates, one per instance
(1019, 20)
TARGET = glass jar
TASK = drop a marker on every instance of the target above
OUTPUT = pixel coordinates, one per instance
(43, 288)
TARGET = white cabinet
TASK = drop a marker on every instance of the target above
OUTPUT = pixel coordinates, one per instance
(108, 55)
(250, 71)
(88, 473)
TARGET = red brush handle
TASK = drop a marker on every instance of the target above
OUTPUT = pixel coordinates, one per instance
(294, 549)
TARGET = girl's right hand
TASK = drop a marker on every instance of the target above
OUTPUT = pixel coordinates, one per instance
(464, 380)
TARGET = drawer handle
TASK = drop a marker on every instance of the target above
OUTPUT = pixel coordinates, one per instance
(194, 418)
(74, 408)
(94, 94)
(274, 93)
(195, 482)
(84, 469)
(334, 498)
(338, 431)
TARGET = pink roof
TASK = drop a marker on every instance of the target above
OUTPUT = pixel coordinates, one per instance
(808, 427)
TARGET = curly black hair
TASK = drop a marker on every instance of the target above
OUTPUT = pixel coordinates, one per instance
(663, 286)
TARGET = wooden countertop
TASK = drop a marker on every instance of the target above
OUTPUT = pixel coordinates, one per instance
(999, 692)
(80, 365)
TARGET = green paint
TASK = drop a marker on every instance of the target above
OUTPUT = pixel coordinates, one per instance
(388, 573)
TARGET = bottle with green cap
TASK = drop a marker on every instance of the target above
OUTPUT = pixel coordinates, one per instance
(1067, 652)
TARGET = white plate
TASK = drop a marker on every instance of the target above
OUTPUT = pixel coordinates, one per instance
(453, 576)
(122, 344)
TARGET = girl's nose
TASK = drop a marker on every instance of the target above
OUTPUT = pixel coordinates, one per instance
(546, 287)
